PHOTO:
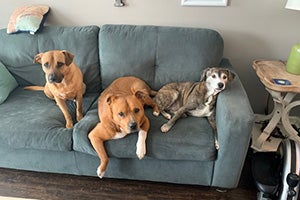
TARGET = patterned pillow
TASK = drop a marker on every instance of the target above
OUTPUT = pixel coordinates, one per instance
(27, 19)
(7, 83)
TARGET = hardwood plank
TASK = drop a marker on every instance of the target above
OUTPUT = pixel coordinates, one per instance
(37, 185)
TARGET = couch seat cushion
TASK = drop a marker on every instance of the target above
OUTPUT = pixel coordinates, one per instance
(190, 139)
(30, 120)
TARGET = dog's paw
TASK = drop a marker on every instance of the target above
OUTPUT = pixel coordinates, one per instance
(166, 115)
(69, 124)
(79, 117)
(217, 145)
(155, 113)
(141, 151)
(165, 128)
(100, 173)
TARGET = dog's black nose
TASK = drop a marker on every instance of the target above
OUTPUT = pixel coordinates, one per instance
(133, 126)
(51, 78)
(220, 85)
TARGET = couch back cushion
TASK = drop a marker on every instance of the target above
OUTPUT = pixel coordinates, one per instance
(157, 54)
(18, 50)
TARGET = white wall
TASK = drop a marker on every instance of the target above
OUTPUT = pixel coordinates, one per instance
(252, 29)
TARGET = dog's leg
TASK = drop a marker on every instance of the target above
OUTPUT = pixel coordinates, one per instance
(48, 92)
(148, 101)
(141, 143)
(164, 99)
(166, 115)
(79, 114)
(63, 107)
(212, 121)
(97, 143)
(167, 126)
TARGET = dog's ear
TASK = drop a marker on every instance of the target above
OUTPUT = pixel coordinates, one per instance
(68, 57)
(110, 99)
(204, 74)
(38, 58)
(141, 94)
(231, 75)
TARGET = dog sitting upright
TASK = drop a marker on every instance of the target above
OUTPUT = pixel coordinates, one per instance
(121, 112)
(64, 81)
(193, 98)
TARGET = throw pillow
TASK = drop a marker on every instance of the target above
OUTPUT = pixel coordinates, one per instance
(7, 83)
(27, 19)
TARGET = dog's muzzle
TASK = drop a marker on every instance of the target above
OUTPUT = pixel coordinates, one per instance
(132, 126)
(52, 78)
(221, 86)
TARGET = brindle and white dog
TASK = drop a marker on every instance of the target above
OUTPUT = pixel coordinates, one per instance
(193, 98)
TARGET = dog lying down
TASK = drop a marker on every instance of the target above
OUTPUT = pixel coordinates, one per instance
(193, 98)
(121, 112)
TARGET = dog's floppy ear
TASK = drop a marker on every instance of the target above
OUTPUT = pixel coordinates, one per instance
(230, 75)
(38, 58)
(110, 99)
(141, 94)
(68, 57)
(204, 74)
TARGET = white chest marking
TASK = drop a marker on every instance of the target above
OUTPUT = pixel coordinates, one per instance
(62, 95)
(201, 112)
(120, 135)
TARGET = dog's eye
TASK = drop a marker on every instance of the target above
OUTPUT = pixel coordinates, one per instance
(213, 76)
(46, 65)
(121, 114)
(60, 64)
(136, 110)
(224, 77)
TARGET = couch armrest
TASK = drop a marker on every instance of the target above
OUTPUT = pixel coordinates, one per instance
(234, 119)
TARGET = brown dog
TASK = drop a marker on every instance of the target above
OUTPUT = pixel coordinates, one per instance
(121, 112)
(64, 81)
(193, 98)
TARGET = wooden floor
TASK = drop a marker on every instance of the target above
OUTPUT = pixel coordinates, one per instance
(35, 185)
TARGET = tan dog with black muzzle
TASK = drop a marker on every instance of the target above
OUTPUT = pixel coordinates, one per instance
(64, 81)
(121, 112)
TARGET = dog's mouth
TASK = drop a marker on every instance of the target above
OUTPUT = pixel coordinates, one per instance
(130, 128)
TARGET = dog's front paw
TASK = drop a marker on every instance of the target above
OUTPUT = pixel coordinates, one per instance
(141, 151)
(79, 117)
(69, 124)
(155, 113)
(217, 145)
(165, 128)
(166, 115)
(100, 173)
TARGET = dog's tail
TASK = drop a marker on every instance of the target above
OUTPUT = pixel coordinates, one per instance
(36, 88)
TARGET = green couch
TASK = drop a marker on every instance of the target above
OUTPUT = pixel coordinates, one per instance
(33, 136)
